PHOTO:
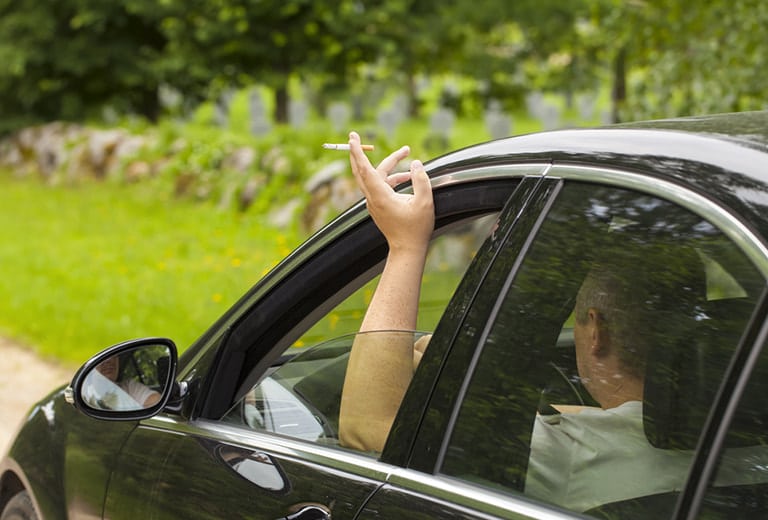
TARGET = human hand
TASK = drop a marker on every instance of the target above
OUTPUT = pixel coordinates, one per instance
(419, 347)
(406, 220)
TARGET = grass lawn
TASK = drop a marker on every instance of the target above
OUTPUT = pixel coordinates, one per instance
(85, 267)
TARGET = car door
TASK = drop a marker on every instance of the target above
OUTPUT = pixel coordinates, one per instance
(513, 370)
(208, 465)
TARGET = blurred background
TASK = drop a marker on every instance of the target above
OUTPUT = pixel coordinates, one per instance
(157, 157)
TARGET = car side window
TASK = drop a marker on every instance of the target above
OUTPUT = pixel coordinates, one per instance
(595, 377)
(300, 396)
(450, 252)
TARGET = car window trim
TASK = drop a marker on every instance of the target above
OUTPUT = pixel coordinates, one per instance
(698, 203)
(520, 255)
(341, 459)
(457, 492)
(517, 224)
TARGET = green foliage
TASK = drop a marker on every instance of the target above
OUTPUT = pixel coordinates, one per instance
(681, 59)
(70, 59)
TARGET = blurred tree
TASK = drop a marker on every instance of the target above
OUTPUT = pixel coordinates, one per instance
(70, 58)
(238, 42)
(673, 58)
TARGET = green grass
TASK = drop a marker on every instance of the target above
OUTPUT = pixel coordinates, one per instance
(89, 266)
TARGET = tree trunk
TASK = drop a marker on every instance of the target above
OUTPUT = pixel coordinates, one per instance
(413, 97)
(149, 105)
(281, 103)
(619, 92)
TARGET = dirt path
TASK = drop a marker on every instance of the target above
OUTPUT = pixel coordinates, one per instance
(24, 380)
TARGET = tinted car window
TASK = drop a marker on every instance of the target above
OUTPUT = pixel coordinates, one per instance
(596, 374)
(740, 487)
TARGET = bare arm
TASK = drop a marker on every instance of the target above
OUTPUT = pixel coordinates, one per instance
(381, 364)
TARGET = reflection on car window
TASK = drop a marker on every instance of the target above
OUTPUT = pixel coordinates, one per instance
(740, 486)
(302, 397)
(596, 377)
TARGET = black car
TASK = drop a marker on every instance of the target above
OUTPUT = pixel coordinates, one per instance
(244, 424)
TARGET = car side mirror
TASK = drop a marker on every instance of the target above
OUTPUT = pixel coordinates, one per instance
(129, 381)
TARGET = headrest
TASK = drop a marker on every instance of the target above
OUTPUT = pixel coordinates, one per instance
(682, 379)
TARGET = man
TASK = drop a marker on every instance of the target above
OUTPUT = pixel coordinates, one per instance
(104, 389)
(575, 458)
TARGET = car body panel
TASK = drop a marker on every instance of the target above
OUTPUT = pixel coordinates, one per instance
(233, 480)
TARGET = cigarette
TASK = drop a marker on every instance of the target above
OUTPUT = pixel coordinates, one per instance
(345, 147)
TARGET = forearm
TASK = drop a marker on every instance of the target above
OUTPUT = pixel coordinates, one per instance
(381, 363)
(395, 302)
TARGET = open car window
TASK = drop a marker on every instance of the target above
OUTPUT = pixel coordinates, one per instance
(450, 252)
(287, 399)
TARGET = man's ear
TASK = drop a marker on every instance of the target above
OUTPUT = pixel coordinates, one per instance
(598, 330)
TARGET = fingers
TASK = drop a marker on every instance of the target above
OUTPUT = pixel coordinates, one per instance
(376, 181)
(422, 188)
(361, 165)
(398, 178)
(392, 160)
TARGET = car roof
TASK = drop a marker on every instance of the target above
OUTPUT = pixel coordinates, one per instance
(723, 157)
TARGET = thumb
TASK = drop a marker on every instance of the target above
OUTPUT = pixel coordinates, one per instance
(420, 180)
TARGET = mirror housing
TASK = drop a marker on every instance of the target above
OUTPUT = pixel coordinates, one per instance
(130, 381)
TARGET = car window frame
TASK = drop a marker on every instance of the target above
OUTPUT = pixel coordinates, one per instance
(736, 373)
(250, 347)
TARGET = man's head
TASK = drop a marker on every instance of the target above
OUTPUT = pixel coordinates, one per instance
(110, 368)
(624, 310)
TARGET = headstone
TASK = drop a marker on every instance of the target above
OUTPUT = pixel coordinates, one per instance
(390, 117)
(171, 99)
(498, 123)
(339, 115)
(400, 107)
(388, 120)
(550, 116)
(534, 102)
(298, 112)
(221, 109)
(441, 122)
(586, 106)
(440, 129)
(259, 122)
